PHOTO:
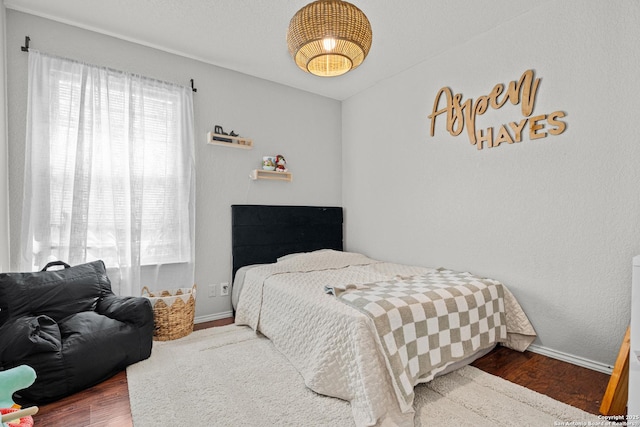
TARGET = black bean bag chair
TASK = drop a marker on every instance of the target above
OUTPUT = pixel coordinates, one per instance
(70, 328)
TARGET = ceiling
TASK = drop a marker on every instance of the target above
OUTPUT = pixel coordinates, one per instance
(248, 36)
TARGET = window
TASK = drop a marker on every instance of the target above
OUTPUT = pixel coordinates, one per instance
(109, 170)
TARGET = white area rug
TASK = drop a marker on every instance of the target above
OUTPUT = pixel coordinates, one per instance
(229, 376)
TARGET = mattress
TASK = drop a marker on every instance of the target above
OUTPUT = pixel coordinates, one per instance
(331, 344)
(238, 282)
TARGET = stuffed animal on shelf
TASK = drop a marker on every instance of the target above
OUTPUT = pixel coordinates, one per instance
(12, 380)
(281, 164)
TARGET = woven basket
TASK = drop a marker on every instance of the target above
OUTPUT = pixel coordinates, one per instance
(173, 312)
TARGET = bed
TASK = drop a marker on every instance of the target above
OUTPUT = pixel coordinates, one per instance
(292, 281)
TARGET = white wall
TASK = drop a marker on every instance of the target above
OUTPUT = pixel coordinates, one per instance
(305, 128)
(555, 219)
(4, 175)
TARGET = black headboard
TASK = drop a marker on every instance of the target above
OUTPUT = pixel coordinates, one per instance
(262, 233)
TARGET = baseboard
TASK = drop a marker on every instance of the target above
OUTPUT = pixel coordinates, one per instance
(215, 316)
(570, 358)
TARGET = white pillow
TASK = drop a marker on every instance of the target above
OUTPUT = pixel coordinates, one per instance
(286, 257)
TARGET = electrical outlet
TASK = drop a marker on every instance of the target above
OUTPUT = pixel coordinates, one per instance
(224, 288)
(212, 291)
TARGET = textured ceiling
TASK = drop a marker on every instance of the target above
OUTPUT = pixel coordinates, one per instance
(249, 35)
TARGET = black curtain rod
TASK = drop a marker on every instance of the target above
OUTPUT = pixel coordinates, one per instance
(25, 48)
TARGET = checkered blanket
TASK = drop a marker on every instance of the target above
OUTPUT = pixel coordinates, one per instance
(427, 322)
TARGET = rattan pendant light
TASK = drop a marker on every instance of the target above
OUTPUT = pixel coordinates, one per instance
(329, 37)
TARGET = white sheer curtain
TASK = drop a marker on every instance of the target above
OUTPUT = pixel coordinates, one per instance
(109, 174)
(4, 154)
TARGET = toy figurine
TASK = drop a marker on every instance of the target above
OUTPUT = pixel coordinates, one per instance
(281, 164)
(12, 380)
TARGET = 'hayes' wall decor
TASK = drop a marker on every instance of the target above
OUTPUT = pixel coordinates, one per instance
(523, 91)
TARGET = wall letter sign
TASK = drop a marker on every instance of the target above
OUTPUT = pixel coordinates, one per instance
(462, 114)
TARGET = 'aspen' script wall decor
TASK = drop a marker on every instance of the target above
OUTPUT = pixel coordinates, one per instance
(523, 91)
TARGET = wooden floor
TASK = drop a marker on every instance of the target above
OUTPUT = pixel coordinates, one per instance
(107, 404)
(571, 384)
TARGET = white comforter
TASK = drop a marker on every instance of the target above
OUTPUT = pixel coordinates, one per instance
(331, 344)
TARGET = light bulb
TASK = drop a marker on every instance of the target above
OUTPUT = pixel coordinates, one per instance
(329, 43)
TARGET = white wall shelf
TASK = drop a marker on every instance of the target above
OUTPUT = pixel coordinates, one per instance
(236, 141)
(272, 175)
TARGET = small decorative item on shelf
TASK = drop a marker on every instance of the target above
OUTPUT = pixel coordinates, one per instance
(228, 139)
(273, 168)
(218, 129)
(281, 163)
(269, 163)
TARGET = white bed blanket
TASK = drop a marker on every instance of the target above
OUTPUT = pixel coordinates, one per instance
(331, 344)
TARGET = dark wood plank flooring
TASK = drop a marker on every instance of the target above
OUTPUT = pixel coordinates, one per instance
(568, 383)
(107, 404)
